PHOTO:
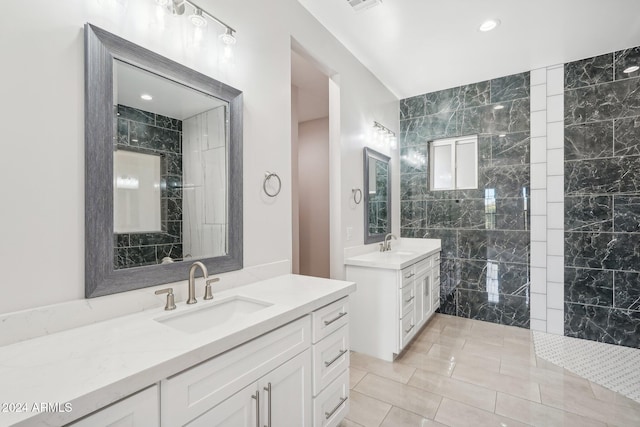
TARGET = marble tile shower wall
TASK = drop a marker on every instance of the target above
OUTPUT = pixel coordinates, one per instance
(602, 199)
(147, 132)
(485, 242)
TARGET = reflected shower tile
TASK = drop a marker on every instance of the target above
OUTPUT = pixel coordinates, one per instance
(588, 213)
(624, 59)
(510, 87)
(586, 286)
(172, 251)
(174, 209)
(168, 123)
(588, 141)
(135, 115)
(123, 132)
(587, 72)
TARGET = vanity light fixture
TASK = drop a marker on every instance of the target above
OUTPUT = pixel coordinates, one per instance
(489, 24)
(199, 18)
(385, 134)
(146, 97)
(631, 69)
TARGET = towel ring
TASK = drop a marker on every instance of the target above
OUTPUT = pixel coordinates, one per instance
(267, 177)
(357, 195)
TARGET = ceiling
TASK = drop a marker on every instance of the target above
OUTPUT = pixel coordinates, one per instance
(419, 46)
(170, 99)
(313, 89)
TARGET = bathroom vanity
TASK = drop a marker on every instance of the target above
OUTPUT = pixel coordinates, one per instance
(398, 291)
(273, 353)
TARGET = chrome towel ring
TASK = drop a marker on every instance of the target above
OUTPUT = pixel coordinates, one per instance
(357, 195)
(268, 177)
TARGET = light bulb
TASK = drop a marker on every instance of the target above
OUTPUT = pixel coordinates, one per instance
(227, 37)
(197, 19)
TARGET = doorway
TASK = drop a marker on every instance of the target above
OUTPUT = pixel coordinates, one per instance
(310, 154)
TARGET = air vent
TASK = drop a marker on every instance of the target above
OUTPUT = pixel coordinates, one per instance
(359, 5)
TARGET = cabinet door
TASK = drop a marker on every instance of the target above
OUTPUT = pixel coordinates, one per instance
(285, 394)
(237, 411)
(427, 283)
(140, 409)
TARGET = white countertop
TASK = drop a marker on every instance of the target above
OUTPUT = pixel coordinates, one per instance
(400, 256)
(95, 365)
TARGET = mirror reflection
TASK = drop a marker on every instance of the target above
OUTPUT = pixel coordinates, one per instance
(377, 192)
(170, 171)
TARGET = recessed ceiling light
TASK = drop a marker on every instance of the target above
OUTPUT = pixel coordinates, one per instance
(146, 97)
(489, 25)
(631, 69)
(502, 135)
(498, 107)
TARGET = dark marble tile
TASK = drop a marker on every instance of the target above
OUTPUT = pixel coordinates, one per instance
(500, 277)
(173, 186)
(146, 239)
(412, 233)
(627, 137)
(135, 115)
(497, 245)
(448, 304)
(507, 181)
(586, 286)
(413, 186)
(414, 159)
(412, 107)
(173, 164)
(626, 214)
(484, 151)
(123, 132)
(120, 258)
(476, 94)
(409, 133)
(174, 209)
(613, 251)
(470, 213)
(168, 123)
(448, 238)
(608, 325)
(606, 101)
(492, 307)
(413, 214)
(510, 149)
(446, 100)
(510, 215)
(624, 59)
(450, 275)
(141, 255)
(154, 138)
(588, 213)
(597, 176)
(440, 125)
(588, 141)
(510, 87)
(587, 72)
(174, 228)
(172, 251)
(442, 214)
(627, 290)
(514, 117)
(121, 240)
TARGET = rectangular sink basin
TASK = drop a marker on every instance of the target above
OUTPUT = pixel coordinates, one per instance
(213, 315)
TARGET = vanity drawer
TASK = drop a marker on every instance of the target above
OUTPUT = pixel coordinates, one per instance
(408, 274)
(330, 358)
(329, 318)
(188, 394)
(332, 405)
(136, 410)
(424, 265)
(407, 329)
(408, 299)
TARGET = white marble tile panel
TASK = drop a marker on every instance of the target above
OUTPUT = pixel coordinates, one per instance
(538, 325)
(538, 228)
(555, 242)
(555, 295)
(555, 216)
(538, 306)
(555, 268)
(538, 176)
(555, 108)
(555, 189)
(538, 202)
(538, 76)
(538, 97)
(538, 123)
(555, 321)
(555, 80)
(538, 150)
(555, 161)
(555, 135)
(539, 255)
(539, 280)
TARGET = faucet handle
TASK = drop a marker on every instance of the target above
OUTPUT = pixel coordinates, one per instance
(171, 302)
(207, 288)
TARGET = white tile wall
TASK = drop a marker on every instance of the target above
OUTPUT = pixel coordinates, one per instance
(547, 199)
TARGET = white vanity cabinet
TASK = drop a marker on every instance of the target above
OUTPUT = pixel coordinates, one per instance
(139, 409)
(392, 304)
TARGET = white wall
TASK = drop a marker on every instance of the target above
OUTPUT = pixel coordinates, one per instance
(42, 163)
(313, 180)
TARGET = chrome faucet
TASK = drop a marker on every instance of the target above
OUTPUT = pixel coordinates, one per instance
(192, 280)
(386, 246)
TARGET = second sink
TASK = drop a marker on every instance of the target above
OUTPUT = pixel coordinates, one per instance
(213, 315)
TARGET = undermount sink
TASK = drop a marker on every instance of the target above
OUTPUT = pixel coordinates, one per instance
(213, 315)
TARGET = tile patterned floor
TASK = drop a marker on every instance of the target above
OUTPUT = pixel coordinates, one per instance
(462, 372)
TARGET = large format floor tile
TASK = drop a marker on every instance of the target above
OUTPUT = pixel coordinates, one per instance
(462, 372)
